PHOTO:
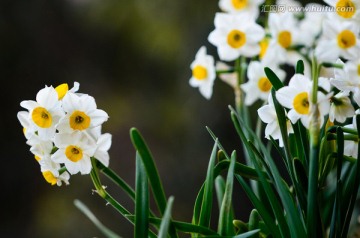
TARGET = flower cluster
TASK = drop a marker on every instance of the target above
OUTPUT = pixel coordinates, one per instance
(63, 129)
(322, 38)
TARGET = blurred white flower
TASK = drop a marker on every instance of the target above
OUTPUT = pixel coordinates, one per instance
(345, 9)
(258, 86)
(203, 73)
(50, 171)
(240, 6)
(236, 35)
(339, 39)
(341, 107)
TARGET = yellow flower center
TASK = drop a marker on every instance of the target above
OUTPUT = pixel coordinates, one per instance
(49, 177)
(346, 39)
(264, 44)
(345, 8)
(41, 117)
(199, 72)
(236, 38)
(37, 158)
(79, 120)
(284, 39)
(61, 90)
(73, 153)
(301, 103)
(239, 4)
(264, 84)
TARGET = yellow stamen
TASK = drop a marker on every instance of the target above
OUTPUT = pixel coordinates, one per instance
(345, 8)
(285, 39)
(346, 39)
(37, 158)
(74, 153)
(41, 117)
(301, 103)
(79, 120)
(239, 4)
(49, 177)
(264, 84)
(199, 72)
(236, 39)
(264, 44)
(62, 89)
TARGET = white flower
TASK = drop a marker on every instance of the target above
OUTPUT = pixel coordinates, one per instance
(236, 35)
(296, 96)
(339, 39)
(74, 151)
(24, 119)
(241, 6)
(284, 34)
(348, 78)
(81, 113)
(341, 107)
(350, 146)
(45, 112)
(50, 171)
(345, 9)
(103, 144)
(203, 73)
(267, 114)
(258, 86)
(40, 148)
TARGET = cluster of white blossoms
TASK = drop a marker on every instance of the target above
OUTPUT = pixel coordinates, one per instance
(245, 36)
(63, 129)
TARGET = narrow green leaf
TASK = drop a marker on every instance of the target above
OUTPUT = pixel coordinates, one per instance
(225, 226)
(197, 206)
(181, 226)
(84, 209)
(243, 235)
(355, 186)
(150, 167)
(295, 219)
(206, 207)
(165, 223)
(142, 200)
(275, 81)
(220, 189)
(254, 221)
(300, 67)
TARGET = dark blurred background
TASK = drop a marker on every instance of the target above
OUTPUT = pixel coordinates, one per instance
(133, 57)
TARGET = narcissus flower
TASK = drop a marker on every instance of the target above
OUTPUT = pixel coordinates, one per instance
(259, 86)
(74, 151)
(339, 39)
(345, 9)
(62, 89)
(296, 97)
(81, 113)
(241, 6)
(341, 107)
(267, 114)
(45, 112)
(236, 35)
(50, 172)
(203, 72)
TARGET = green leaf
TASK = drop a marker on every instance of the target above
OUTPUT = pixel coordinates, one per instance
(225, 217)
(165, 223)
(181, 226)
(84, 209)
(275, 81)
(220, 189)
(254, 221)
(150, 167)
(207, 201)
(142, 200)
(243, 235)
(300, 67)
(197, 206)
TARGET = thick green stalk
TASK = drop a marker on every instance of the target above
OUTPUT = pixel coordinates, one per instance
(313, 223)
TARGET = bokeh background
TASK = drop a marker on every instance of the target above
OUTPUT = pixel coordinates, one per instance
(133, 57)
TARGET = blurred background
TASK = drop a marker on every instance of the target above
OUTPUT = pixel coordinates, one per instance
(134, 58)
